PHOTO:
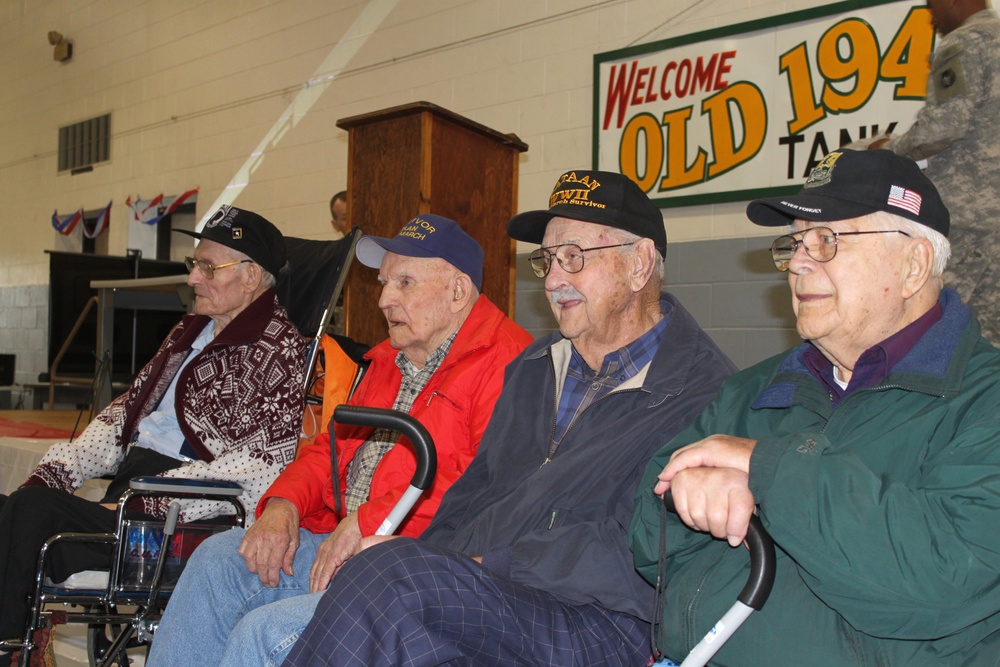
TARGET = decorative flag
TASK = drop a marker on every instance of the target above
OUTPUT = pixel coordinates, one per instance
(905, 199)
(93, 231)
(137, 213)
(67, 224)
(175, 204)
(155, 202)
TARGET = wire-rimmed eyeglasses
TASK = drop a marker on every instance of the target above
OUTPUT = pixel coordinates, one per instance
(207, 268)
(820, 244)
(569, 255)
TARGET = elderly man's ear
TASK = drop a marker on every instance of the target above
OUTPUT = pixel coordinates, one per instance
(251, 277)
(643, 260)
(462, 292)
(919, 263)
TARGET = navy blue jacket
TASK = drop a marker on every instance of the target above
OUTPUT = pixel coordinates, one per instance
(562, 527)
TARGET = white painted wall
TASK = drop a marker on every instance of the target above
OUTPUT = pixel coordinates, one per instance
(241, 97)
(195, 87)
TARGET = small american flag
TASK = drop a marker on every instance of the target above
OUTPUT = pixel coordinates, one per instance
(906, 199)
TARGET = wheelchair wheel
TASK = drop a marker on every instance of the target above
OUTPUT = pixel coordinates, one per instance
(99, 640)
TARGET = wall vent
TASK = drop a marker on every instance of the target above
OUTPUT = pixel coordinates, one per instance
(84, 144)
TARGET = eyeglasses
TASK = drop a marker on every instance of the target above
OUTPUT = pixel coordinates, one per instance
(207, 268)
(569, 256)
(820, 244)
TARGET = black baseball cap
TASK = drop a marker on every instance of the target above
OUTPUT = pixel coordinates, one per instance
(247, 232)
(603, 197)
(427, 235)
(849, 184)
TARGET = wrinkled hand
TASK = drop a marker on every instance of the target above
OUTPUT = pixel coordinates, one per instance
(710, 484)
(334, 551)
(714, 500)
(269, 546)
(372, 540)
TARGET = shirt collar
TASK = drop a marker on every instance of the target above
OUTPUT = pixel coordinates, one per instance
(875, 363)
(626, 361)
(434, 359)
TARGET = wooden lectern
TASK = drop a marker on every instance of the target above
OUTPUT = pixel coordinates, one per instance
(420, 158)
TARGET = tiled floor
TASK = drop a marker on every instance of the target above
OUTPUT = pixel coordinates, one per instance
(71, 647)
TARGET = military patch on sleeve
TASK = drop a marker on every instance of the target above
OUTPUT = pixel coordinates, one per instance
(948, 75)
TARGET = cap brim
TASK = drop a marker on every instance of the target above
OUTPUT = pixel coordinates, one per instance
(780, 211)
(530, 225)
(371, 249)
(189, 233)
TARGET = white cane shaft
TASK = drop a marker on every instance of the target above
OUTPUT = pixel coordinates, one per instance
(713, 641)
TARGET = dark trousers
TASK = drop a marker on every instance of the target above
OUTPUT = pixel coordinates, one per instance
(33, 514)
(407, 602)
(28, 517)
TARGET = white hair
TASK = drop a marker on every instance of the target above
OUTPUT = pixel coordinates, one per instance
(267, 280)
(885, 220)
(939, 242)
(628, 237)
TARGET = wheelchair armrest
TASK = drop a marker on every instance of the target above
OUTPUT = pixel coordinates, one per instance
(182, 486)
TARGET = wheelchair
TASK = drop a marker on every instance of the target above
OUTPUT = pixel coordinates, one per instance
(121, 606)
(123, 612)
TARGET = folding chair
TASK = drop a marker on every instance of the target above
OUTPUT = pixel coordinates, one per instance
(311, 285)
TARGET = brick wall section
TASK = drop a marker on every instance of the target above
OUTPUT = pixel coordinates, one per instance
(730, 286)
(24, 324)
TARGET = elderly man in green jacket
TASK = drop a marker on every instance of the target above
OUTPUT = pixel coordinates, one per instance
(871, 452)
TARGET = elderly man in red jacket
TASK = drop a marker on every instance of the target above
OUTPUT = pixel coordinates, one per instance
(247, 596)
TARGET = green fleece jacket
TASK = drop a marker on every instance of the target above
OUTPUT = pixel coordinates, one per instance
(885, 511)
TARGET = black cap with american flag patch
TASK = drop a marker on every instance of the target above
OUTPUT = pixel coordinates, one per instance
(849, 184)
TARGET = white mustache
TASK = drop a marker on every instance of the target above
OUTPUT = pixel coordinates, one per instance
(564, 294)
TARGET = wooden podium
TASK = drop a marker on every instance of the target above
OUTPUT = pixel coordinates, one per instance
(420, 158)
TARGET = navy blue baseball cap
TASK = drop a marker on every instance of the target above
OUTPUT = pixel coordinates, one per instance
(427, 235)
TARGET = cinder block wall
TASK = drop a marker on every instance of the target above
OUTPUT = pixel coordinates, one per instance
(24, 326)
(242, 100)
(730, 286)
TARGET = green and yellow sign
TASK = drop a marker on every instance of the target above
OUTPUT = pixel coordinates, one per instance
(747, 110)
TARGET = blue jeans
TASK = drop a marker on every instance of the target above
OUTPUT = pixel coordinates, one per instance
(220, 613)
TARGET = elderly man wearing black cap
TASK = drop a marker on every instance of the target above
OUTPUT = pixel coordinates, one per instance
(221, 400)
(526, 561)
(244, 598)
(870, 451)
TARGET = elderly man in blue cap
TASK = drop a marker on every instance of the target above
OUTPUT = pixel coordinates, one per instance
(526, 561)
(245, 597)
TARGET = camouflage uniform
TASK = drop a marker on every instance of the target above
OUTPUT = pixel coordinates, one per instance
(958, 132)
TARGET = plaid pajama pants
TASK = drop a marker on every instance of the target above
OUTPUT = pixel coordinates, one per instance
(407, 602)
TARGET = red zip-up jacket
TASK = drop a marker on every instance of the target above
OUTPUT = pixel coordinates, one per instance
(455, 407)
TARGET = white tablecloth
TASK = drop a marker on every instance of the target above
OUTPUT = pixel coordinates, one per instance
(19, 456)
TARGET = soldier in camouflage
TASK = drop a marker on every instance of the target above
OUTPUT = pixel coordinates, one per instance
(958, 133)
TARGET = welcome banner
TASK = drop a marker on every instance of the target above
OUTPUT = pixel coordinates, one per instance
(747, 110)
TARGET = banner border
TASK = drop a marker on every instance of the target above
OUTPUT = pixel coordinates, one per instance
(701, 36)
